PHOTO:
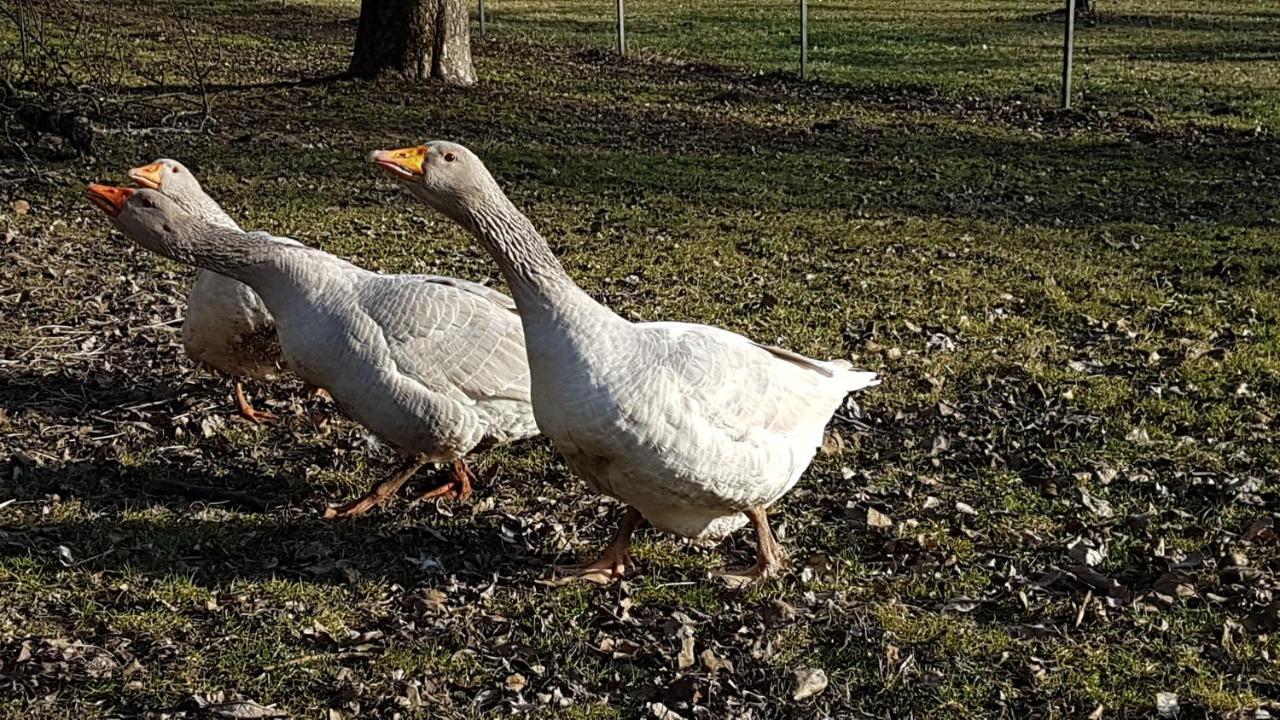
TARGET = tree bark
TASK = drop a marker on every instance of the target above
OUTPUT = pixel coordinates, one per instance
(415, 40)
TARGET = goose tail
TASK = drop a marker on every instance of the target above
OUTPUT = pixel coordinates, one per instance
(852, 380)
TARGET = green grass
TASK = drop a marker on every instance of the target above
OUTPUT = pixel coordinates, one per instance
(1095, 273)
(1186, 58)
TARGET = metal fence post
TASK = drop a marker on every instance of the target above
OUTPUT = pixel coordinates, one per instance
(622, 28)
(481, 18)
(804, 38)
(1068, 43)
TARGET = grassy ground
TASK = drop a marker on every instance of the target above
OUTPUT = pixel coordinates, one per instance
(1076, 316)
(1191, 59)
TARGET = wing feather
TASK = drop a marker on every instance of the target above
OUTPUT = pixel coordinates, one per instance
(454, 337)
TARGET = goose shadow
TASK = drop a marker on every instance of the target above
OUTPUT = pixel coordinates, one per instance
(66, 395)
(136, 520)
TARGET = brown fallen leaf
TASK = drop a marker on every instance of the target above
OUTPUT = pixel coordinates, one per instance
(1138, 436)
(686, 657)
(832, 444)
(877, 519)
(809, 682)
(226, 704)
(713, 664)
(619, 648)
(1262, 532)
(1096, 505)
(780, 611)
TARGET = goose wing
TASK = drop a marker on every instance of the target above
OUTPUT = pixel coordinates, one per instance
(454, 337)
(741, 388)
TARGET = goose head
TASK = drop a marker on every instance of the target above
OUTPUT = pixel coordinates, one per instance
(444, 175)
(148, 217)
(172, 179)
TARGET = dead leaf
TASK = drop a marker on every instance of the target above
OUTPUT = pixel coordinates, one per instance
(1262, 531)
(781, 611)
(686, 657)
(1087, 552)
(619, 648)
(832, 444)
(225, 704)
(1138, 436)
(1096, 505)
(435, 600)
(713, 664)
(809, 682)
(961, 605)
(661, 712)
(877, 519)
(941, 444)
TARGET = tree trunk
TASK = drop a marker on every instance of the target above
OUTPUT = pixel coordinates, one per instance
(415, 40)
(1084, 6)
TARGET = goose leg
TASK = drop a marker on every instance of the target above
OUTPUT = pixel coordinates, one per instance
(379, 493)
(457, 487)
(770, 557)
(614, 562)
(247, 410)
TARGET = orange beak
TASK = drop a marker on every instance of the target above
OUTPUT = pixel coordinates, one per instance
(403, 164)
(148, 176)
(109, 199)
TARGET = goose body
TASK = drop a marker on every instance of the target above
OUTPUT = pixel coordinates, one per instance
(696, 429)
(690, 424)
(227, 326)
(432, 365)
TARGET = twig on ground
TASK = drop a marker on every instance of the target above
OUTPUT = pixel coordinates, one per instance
(208, 492)
(318, 657)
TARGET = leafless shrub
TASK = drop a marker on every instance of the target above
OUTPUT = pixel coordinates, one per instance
(61, 56)
(189, 85)
(67, 68)
(64, 69)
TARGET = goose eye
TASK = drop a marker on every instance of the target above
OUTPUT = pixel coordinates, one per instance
(167, 228)
(450, 157)
(176, 170)
(148, 202)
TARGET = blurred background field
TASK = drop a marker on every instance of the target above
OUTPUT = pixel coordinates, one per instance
(1062, 501)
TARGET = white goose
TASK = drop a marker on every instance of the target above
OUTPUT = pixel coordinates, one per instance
(696, 429)
(432, 365)
(227, 326)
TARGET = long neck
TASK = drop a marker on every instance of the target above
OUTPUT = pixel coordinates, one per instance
(203, 206)
(537, 279)
(223, 250)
